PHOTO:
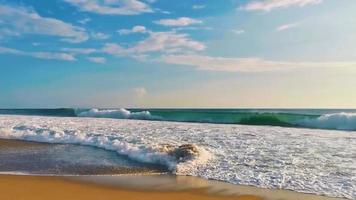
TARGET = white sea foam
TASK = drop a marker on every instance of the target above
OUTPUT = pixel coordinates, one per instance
(305, 160)
(339, 121)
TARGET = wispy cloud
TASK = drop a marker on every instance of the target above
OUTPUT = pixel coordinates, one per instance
(244, 64)
(100, 36)
(79, 50)
(268, 5)
(112, 7)
(41, 55)
(157, 42)
(84, 21)
(135, 29)
(6, 32)
(200, 6)
(182, 21)
(192, 28)
(287, 26)
(19, 20)
(100, 60)
(238, 31)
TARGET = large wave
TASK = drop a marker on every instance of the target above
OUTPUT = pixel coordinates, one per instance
(339, 121)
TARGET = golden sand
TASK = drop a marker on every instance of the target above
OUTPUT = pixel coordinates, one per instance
(56, 188)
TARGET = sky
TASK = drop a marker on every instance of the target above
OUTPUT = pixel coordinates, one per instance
(184, 54)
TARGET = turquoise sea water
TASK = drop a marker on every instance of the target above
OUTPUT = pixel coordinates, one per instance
(338, 119)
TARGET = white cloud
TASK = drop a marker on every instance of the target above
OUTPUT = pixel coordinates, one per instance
(165, 12)
(52, 56)
(239, 31)
(244, 64)
(268, 5)
(101, 60)
(192, 28)
(287, 26)
(100, 36)
(112, 7)
(41, 55)
(19, 20)
(196, 7)
(79, 50)
(115, 49)
(157, 42)
(84, 21)
(5, 32)
(5, 50)
(135, 29)
(182, 21)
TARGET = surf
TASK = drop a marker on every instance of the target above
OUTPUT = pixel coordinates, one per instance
(263, 156)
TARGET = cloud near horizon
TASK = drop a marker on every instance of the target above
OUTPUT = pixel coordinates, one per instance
(287, 26)
(243, 64)
(100, 60)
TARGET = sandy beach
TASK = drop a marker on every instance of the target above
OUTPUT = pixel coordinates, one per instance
(135, 187)
(29, 187)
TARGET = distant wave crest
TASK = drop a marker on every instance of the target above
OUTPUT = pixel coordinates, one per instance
(121, 113)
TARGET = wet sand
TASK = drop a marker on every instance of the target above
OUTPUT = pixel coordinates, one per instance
(56, 159)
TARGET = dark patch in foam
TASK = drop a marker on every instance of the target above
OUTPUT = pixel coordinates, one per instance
(182, 153)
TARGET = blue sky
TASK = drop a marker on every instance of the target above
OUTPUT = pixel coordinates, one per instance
(160, 53)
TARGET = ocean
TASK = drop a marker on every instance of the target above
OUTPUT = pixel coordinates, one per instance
(337, 119)
(305, 150)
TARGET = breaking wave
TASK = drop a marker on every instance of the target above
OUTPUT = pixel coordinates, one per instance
(121, 113)
(178, 158)
(339, 121)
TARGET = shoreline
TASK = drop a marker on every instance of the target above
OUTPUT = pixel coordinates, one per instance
(134, 186)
